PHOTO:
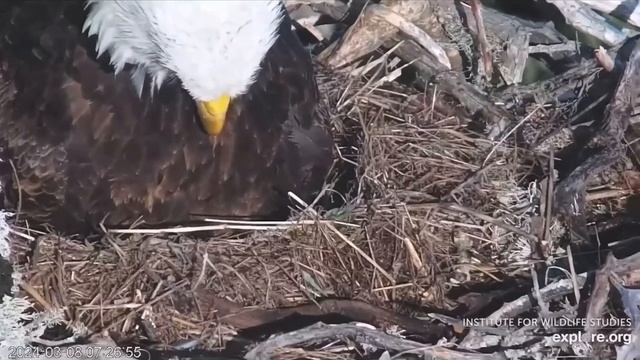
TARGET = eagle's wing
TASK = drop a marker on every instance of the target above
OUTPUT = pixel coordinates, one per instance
(85, 145)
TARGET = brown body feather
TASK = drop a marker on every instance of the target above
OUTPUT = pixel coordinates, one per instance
(86, 146)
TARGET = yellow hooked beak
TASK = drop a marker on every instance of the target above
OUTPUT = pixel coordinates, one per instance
(213, 114)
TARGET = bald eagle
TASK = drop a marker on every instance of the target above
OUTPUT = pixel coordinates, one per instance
(116, 110)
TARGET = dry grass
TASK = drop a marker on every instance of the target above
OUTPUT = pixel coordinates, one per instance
(435, 206)
(297, 354)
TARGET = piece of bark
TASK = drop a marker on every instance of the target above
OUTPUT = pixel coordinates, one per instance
(413, 31)
(334, 8)
(603, 149)
(369, 33)
(502, 26)
(599, 297)
(486, 59)
(586, 20)
(555, 51)
(627, 11)
(497, 119)
(561, 87)
(475, 101)
(304, 16)
(435, 23)
(515, 59)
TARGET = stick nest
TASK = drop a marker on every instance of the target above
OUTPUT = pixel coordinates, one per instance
(433, 206)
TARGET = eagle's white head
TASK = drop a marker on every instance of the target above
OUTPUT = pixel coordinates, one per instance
(213, 46)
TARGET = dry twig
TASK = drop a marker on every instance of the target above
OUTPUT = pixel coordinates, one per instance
(320, 333)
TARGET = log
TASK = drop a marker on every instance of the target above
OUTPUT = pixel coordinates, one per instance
(586, 20)
(515, 59)
(555, 89)
(626, 11)
(320, 332)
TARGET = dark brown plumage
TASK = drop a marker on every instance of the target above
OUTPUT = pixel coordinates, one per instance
(85, 146)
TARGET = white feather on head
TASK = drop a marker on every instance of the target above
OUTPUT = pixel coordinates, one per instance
(213, 46)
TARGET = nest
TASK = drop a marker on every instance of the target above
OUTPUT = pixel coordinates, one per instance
(433, 206)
